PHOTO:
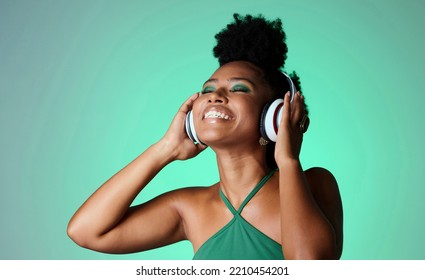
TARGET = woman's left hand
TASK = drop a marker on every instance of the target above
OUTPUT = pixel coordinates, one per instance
(290, 136)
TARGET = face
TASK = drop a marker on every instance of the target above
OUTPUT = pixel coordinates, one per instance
(230, 104)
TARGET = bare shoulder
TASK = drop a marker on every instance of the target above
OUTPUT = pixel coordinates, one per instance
(321, 180)
(190, 195)
(325, 190)
(196, 207)
(190, 199)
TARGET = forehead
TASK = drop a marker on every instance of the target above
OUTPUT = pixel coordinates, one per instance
(240, 69)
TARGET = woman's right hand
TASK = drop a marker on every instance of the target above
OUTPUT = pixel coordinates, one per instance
(175, 141)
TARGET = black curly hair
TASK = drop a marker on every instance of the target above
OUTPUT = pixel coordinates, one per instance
(261, 42)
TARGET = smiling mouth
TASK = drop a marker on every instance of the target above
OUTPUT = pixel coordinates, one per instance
(216, 115)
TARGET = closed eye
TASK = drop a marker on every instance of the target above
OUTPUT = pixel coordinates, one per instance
(207, 89)
(240, 88)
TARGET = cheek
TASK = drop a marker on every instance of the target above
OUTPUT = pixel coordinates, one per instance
(197, 109)
(251, 114)
(257, 106)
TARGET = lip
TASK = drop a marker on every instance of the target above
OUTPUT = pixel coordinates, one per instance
(226, 115)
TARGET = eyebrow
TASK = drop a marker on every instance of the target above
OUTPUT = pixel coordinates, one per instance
(234, 79)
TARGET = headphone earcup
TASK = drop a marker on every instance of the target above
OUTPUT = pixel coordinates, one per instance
(270, 119)
(272, 114)
(262, 122)
(190, 128)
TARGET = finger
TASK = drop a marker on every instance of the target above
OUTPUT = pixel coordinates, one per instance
(187, 105)
(298, 109)
(286, 112)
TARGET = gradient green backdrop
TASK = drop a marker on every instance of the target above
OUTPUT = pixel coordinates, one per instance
(85, 86)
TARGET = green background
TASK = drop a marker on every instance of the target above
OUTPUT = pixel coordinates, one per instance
(86, 86)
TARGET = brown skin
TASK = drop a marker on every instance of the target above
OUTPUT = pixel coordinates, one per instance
(299, 209)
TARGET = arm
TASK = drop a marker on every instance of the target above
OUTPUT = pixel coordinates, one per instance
(311, 211)
(105, 222)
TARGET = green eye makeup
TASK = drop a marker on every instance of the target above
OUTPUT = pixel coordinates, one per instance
(235, 88)
(207, 89)
(240, 88)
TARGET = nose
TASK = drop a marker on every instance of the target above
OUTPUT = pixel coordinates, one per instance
(218, 96)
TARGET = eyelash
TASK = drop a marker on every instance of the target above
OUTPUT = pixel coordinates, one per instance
(207, 90)
(234, 89)
(239, 89)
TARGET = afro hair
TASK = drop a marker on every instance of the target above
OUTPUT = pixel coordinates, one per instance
(253, 39)
(259, 41)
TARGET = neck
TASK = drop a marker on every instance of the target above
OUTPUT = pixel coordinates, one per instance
(240, 173)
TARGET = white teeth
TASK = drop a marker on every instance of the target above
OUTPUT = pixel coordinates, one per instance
(215, 114)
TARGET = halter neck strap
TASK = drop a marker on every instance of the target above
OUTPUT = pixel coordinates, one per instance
(248, 198)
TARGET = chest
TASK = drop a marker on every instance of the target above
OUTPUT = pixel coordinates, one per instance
(211, 216)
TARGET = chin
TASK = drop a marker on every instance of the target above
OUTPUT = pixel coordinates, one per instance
(211, 140)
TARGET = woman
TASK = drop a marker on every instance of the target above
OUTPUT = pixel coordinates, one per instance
(255, 211)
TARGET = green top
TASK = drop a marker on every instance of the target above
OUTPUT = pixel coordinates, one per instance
(239, 240)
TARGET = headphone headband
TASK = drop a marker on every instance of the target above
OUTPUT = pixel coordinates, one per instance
(292, 88)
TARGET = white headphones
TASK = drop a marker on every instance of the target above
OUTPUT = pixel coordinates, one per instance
(272, 114)
(269, 122)
(190, 128)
